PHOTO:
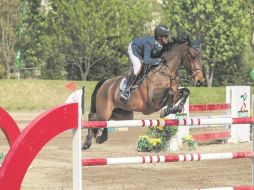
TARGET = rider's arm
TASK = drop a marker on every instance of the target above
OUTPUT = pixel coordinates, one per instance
(147, 56)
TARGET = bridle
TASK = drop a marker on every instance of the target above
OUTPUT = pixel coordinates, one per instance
(194, 71)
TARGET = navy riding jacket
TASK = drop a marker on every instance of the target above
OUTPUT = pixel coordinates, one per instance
(147, 49)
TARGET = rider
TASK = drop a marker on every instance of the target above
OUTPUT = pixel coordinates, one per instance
(148, 49)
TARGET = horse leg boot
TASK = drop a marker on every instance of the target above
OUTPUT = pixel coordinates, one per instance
(103, 137)
(125, 95)
(170, 108)
(185, 92)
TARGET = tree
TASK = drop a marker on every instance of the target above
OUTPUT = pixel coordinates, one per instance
(9, 17)
(96, 32)
(225, 27)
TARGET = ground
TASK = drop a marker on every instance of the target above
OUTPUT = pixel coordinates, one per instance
(52, 168)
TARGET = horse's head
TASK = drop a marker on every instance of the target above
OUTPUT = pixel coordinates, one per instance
(192, 63)
(187, 53)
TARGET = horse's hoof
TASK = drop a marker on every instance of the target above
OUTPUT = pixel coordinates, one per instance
(178, 109)
(101, 139)
(86, 145)
(163, 113)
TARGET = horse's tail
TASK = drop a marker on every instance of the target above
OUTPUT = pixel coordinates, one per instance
(93, 98)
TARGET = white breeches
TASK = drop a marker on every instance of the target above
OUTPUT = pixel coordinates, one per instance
(136, 63)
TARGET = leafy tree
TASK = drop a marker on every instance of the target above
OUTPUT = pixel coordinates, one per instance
(225, 27)
(9, 17)
(35, 25)
(97, 32)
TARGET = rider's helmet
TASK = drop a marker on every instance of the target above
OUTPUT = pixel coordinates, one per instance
(161, 30)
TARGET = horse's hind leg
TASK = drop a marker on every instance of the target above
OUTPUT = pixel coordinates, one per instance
(117, 114)
(104, 115)
(103, 137)
(88, 142)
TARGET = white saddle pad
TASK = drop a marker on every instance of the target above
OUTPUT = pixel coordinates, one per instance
(123, 84)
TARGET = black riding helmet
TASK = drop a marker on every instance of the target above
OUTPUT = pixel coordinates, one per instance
(161, 30)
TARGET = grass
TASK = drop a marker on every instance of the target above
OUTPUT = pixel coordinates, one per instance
(205, 95)
(31, 95)
(39, 95)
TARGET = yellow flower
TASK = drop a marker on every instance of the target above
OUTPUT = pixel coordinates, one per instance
(144, 137)
(155, 141)
(188, 137)
(161, 128)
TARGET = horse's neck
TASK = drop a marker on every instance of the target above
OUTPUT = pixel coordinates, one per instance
(174, 59)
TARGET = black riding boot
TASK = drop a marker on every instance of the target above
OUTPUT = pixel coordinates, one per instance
(125, 95)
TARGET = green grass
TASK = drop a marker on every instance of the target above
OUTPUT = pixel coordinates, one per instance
(205, 95)
(31, 95)
(36, 95)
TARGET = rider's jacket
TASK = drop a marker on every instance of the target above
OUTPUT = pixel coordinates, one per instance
(147, 49)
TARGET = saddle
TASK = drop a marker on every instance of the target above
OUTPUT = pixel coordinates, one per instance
(145, 69)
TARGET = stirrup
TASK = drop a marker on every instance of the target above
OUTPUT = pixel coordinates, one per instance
(125, 95)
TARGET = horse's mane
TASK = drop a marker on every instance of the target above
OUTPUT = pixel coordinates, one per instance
(176, 41)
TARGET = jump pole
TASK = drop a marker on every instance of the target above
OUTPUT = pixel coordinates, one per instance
(166, 158)
(167, 122)
(231, 188)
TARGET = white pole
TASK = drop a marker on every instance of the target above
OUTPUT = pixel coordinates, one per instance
(76, 154)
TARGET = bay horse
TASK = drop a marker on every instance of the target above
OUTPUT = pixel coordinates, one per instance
(158, 89)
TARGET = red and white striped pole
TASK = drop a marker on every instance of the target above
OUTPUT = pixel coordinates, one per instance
(167, 122)
(166, 158)
(232, 188)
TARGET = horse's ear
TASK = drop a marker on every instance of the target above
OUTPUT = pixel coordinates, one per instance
(182, 37)
(196, 43)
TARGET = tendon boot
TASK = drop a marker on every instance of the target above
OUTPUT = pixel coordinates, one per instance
(125, 95)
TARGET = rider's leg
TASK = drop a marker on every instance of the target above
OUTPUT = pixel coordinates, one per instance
(136, 65)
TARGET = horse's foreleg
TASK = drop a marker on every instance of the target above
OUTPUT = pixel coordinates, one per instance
(170, 105)
(182, 95)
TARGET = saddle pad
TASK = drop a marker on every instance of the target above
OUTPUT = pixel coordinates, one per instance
(123, 84)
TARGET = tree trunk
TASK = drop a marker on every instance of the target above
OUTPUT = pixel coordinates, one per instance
(210, 77)
(8, 71)
(85, 73)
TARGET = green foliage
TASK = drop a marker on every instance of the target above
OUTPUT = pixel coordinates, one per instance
(9, 11)
(144, 144)
(189, 143)
(225, 27)
(252, 74)
(2, 71)
(91, 33)
(34, 24)
(155, 138)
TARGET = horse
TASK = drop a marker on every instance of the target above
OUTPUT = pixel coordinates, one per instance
(158, 90)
